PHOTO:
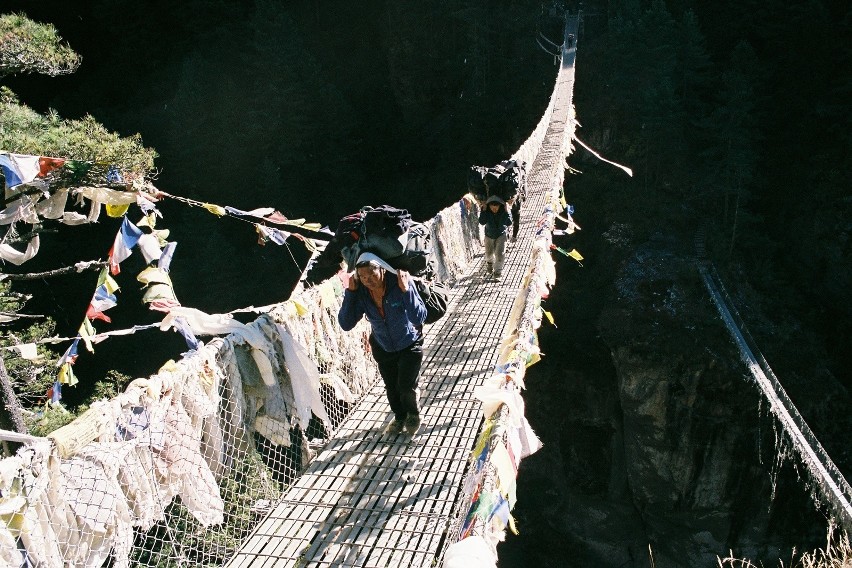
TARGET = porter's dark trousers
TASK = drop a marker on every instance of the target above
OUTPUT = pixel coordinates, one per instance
(400, 371)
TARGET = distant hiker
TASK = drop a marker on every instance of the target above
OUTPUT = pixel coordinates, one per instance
(391, 303)
(496, 219)
(570, 41)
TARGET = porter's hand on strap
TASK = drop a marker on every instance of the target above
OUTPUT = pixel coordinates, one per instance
(403, 278)
(353, 281)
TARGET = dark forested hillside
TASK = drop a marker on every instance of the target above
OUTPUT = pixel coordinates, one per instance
(733, 116)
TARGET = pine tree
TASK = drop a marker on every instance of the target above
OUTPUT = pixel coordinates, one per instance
(27, 47)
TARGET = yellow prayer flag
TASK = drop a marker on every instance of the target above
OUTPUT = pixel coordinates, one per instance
(532, 359)
(66, 375)
(149, 220)
(513, 526)
(117, 210)
(86, 331)
(301, 309)
(104, 279)
(549, 317)
(215, 209)
(162, 236)
(575, 255)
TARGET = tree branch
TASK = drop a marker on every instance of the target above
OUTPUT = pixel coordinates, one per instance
(79, 267)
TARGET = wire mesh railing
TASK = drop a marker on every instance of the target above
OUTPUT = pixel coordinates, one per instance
(180, 467)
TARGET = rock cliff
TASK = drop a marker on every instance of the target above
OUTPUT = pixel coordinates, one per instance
(657, 445)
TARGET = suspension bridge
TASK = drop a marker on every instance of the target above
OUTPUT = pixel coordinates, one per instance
(373, 500)
(267, 447)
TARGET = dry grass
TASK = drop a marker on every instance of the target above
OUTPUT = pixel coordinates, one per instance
(836, 554)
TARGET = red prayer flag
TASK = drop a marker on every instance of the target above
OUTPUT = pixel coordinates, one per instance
(47, 165)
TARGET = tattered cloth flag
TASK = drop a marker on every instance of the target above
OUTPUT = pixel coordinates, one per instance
(66, 374)
(47, 165)
(101, 302)
(54, 393)
(87, 331)
(114, 175)
(70, 355)
(572, 254)
(19, 168)
(125, 240)
(166, 257)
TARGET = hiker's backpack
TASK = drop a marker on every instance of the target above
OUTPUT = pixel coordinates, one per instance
(476, 182)
(416, 252)
(435, 296)
(512, 182)
(492, 179)
(380, 230)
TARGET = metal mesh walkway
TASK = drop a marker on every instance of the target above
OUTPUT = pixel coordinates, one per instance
(371, 499)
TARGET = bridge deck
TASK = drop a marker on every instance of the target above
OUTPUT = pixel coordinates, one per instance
(370, 499)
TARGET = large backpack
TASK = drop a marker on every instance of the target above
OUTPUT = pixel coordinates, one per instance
(435, 296)
(416, 252)
(512, 184)
(492, 179)
(476, 182)
(380, 230)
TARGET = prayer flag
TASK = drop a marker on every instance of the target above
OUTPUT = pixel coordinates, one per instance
(47, 165)
(86, 331)
(149, 246)
(125, 240)
(215, 209)
(55, 392)
(70, 355)
(102, 300)
(107, 281)
(259, 213)
(573, 253)
(93, 314)
(277, 236)
(65, 377)
(78, 170)
(275, 217)
(114, 176)
(599, 157)
(116, 211)
(163, 305)
(180, 324)
(166, 257)
(28, 351)
(146, 205)
(18, 168)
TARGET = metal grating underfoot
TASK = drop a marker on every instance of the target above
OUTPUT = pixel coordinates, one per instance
(373, 500)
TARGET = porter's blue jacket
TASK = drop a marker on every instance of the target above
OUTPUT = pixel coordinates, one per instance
(405, 313)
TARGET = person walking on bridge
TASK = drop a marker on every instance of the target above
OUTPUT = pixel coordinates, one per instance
(497, 220)
(391, 303)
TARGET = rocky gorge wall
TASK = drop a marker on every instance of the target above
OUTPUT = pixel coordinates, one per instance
(657, 448)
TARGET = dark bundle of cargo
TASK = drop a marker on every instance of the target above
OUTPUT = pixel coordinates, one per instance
(476, 182)
(513, 181)
(387, 232)
(506, 180)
